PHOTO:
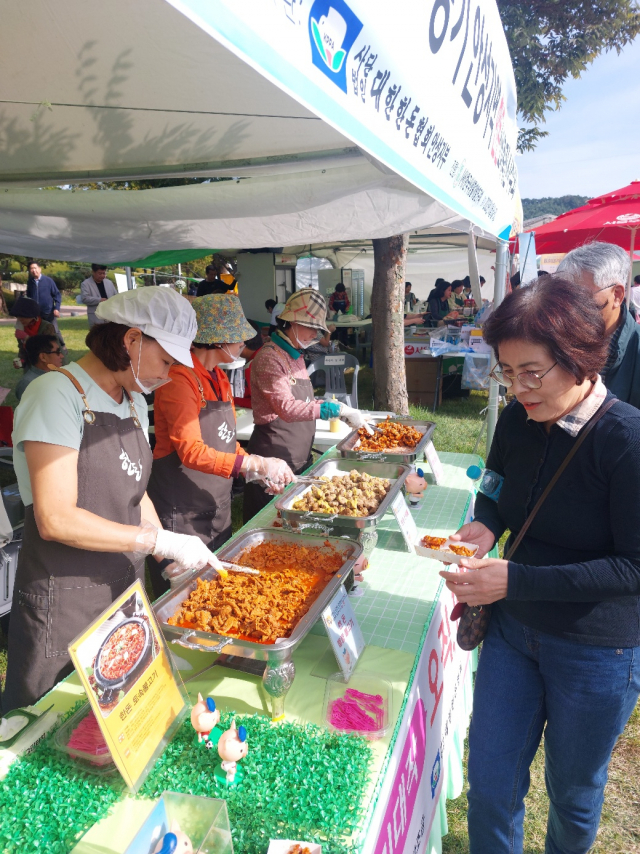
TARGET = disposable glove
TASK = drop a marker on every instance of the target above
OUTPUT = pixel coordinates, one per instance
(188, 552)
(354, 418)
(273, 471)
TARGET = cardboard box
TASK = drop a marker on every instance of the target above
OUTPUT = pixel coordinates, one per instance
(422, 385)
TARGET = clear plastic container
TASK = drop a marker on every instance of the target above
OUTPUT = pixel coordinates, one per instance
(100, 764)
(205, 821)
(364, 683)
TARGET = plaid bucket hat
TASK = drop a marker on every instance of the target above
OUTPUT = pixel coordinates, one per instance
(307, 307)
(221, 320)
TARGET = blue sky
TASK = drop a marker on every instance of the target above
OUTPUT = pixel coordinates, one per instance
(594, 139)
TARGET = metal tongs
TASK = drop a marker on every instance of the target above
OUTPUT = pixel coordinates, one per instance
(309, 479)
(235, 567)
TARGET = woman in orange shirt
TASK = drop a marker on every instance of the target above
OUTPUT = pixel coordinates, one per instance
(196, 455)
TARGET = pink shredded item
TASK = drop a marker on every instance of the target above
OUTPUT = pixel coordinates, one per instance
(88, 738)
(351, 712)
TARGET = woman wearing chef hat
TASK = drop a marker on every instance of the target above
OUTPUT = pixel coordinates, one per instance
(82, 460)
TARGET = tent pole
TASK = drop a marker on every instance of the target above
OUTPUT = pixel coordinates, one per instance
(502, 254)
(129, 278)
(630, 279)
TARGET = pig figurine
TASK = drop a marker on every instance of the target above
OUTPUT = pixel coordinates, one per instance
(232, 747)
(415, 485)
(204, 717)
(174, 842)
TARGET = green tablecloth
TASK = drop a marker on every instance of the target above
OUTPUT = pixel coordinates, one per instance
(400, 592)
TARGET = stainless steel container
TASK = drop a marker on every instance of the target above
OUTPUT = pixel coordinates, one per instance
(280, 670)
(360, 528)
(348, 447)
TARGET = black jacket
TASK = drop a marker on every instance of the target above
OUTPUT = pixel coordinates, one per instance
(576, 573)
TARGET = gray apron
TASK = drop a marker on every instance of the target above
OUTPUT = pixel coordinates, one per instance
(195, 502)
(290, 442)
(59, 590)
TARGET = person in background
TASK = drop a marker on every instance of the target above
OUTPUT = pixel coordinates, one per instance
(339, 301)
(438, 300)
(41, 351)
(561, 652)
(215, 282)
(197, 456)
(409, 297)
(45, 292)
(28, 323)
(284, 409)
(635, 293)
(270, 304)
(456, 300)
(96, 289)
(603, 269)
(276, 311)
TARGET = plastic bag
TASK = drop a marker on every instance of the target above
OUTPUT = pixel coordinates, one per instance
(475, 371)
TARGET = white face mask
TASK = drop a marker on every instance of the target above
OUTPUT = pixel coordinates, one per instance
(303, 345)
(235, 361)
(146, 386)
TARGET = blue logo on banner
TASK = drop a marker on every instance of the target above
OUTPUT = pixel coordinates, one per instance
(435, 775)
(333, 28)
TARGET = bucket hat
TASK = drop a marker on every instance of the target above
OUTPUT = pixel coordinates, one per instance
(221, 320)
(307, 307)
(160, 313)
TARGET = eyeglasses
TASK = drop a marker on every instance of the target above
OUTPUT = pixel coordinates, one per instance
(57, 352)
(528, 379)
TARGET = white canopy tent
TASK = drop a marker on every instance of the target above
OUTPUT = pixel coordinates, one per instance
(346, 122)
(320, 103)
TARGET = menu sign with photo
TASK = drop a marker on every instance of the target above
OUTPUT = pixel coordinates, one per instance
(126, 670)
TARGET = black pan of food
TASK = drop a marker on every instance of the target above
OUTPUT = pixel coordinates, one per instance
(122, 657)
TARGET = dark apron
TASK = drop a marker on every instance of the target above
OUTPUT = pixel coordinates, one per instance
(290, 442)
(195, 502)
(59, 590)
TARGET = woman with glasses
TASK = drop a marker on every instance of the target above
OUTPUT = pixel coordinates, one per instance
(40, 351)
(562, 651)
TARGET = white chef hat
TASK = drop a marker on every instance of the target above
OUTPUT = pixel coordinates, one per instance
(160, 313)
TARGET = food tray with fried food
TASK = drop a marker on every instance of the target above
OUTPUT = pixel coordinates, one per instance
(364, 503)
(265, 616)
(445, 549)
(393, 441)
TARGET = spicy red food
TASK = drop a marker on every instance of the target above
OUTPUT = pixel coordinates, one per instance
(122, 650)
(261, 607)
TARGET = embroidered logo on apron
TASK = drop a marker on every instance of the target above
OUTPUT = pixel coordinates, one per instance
(131, 468)
(226, 433)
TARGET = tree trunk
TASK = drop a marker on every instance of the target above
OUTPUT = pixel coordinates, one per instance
(387, 313)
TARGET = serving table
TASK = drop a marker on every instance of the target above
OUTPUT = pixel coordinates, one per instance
(403, 610)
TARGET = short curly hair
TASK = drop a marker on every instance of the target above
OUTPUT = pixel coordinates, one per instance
(558, 314)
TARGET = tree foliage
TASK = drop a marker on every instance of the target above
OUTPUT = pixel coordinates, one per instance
(552, 40)
(552, 205)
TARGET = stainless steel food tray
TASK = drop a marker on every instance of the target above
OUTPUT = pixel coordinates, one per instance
(168, 604)
(349, 525)
(348, 447)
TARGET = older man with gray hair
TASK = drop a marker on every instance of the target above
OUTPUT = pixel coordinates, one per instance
(603, 268)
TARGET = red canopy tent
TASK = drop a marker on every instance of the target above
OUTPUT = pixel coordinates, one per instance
(613, 218)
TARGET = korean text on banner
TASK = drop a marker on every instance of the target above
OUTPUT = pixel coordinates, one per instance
(368, 70)
(126, 670)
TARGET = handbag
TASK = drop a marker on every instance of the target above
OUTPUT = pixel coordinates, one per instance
(474, 619)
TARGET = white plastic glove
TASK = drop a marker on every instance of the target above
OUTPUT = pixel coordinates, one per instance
(188, 552)
(354, 418)
(274, 472)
